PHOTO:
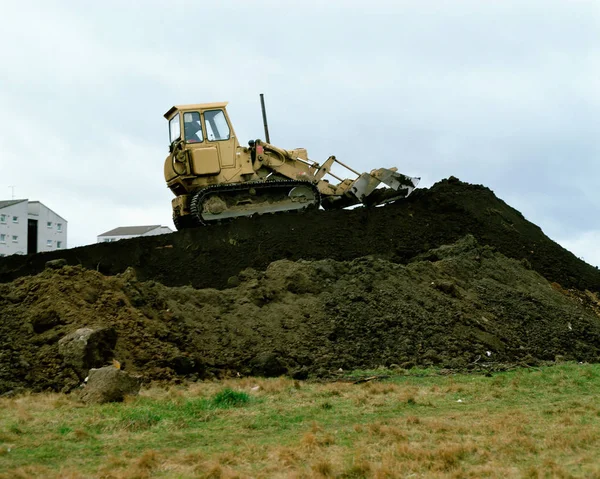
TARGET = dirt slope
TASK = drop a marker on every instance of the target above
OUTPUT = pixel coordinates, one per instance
(429, 218)
(456, 306)
(451, 276)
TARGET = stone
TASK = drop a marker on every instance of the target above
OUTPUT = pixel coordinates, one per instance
(109, 384)
(87, 348)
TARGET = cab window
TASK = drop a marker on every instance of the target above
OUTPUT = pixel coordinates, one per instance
(216, 125)
(193, 127)
(174, 129)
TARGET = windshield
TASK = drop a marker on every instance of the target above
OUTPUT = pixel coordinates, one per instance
(174, 128)
(216, 125)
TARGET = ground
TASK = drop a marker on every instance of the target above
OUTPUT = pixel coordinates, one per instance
(450, 277)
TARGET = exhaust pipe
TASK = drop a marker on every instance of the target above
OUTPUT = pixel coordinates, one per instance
(264, 115)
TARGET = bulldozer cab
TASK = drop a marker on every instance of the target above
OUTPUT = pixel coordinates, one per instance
(205, 131)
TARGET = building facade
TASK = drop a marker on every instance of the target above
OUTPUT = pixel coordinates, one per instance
(28, 227)
(124, 232)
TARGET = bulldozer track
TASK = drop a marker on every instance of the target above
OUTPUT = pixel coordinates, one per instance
(204, 193)
(183, 222)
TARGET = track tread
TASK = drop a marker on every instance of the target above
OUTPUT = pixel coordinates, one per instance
(185, 222)
(200, 196)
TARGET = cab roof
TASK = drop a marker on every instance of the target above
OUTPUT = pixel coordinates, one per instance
(197, 106)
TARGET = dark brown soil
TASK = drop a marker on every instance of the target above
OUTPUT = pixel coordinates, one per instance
(452, 277)
(429, 218)
(469, 306)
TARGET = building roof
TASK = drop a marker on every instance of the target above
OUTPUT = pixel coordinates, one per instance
(49, 209)
(130, 230)
(6, 203)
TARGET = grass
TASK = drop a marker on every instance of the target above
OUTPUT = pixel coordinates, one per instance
(525, 423)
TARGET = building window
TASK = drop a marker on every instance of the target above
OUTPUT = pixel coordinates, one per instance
(3, 219)
(49, 224)
(15, 238)
(58, 226)
(49, 243)
(59, 244)
(2, 238)
(15, 219)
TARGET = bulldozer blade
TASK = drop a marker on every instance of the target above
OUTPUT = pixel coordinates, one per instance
(395, 180)
(381, 196)
(400, 186)
(363, 186)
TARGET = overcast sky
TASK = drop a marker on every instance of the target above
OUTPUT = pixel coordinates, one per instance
(502, 93)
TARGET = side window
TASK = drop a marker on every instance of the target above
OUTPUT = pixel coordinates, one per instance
(193, 127)
(174, 128)
(217, 128)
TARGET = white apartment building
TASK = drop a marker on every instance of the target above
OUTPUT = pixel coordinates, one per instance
(28, 227)
(124, 232)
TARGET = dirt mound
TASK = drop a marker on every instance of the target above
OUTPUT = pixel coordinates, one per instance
(308, 294)
(429, 218)
(455, 306)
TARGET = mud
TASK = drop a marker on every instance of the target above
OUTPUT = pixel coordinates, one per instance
(451, 277)
(468, 306)
(429, 218)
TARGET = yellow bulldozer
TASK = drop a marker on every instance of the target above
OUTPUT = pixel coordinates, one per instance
(214, 178)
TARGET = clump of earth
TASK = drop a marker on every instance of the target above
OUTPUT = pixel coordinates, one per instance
(457, 306)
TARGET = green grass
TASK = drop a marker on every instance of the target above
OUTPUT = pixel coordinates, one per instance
(542, 422)
(229, 398)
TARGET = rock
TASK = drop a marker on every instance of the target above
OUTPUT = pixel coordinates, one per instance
(109, 384)
(56, 263)
(87, 348)
(449, 288)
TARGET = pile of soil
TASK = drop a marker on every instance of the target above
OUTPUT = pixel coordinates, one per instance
(451, 276)
(429, 218)
(455, 306)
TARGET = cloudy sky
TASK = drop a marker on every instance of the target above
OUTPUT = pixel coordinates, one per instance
(504, 93)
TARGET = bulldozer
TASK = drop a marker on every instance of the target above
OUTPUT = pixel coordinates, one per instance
(214, 178)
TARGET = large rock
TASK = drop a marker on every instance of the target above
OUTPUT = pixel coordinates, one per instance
(88, 348)
(109, 384)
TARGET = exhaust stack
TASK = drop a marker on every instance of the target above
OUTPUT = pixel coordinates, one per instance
(264, 115)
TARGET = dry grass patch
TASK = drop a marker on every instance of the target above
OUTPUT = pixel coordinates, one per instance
(516, 424)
